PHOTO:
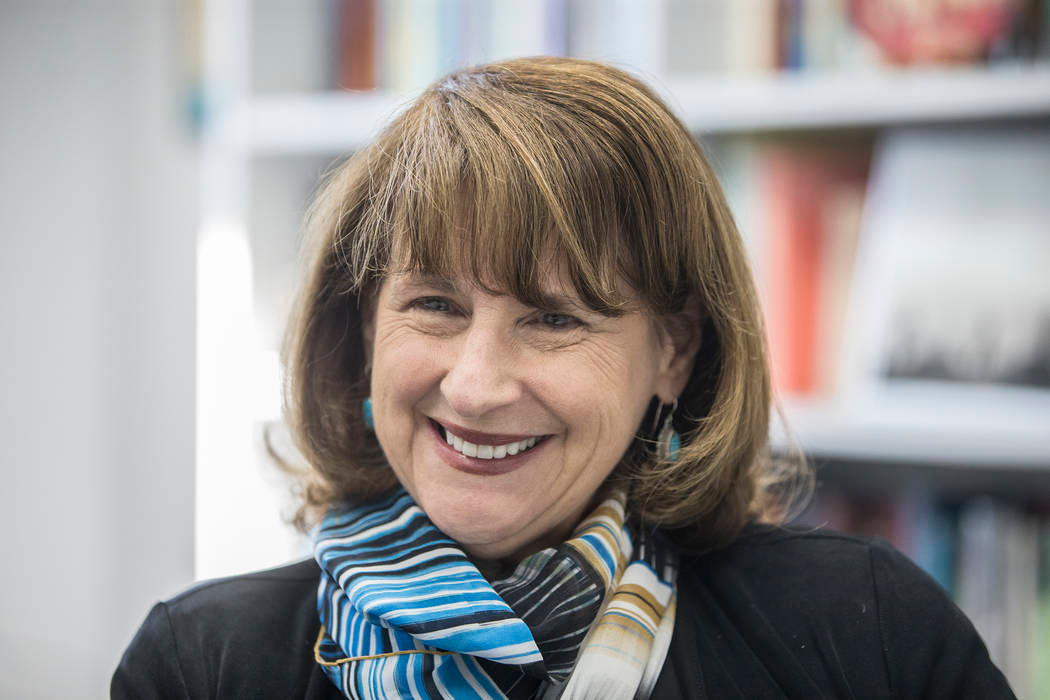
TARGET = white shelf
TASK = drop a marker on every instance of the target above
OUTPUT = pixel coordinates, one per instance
(338, 122)
(878, 97)
(933, 423)
(324, 122)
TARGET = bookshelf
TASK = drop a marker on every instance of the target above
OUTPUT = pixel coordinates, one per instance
(1011, 427)
(904, 426)
(875, 98)
(336, 122)
(988, 428)
(264, 150)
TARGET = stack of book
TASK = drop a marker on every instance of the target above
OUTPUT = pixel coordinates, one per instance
(403, 45)
(918, 257)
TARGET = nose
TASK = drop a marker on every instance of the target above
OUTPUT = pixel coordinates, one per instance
(481, 375)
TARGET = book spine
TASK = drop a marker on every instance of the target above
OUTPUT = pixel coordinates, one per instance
(795, 244)
(1040, 650)
(357, 45)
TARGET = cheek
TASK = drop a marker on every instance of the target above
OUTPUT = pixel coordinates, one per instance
(601, 393)
(396, 391)
(398, 346)
(623, 372)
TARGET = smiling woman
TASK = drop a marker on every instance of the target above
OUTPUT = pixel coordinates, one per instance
(560, 396)
(567, 187)
(528, 374)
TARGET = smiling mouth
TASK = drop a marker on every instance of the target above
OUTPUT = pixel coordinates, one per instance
(487, 451)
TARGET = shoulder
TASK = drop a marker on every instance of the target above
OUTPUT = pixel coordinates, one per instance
(797, 548)
(225, 637)
(892, 628)
(794, 563)
(820, 572)
(223, 616)
(249, 601)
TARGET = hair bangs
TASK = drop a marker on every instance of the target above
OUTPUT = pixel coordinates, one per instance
(479, 190)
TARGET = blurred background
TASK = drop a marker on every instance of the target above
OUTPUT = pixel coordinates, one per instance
(887, 161)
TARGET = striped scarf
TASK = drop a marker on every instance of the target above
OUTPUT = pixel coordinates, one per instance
(405, 614)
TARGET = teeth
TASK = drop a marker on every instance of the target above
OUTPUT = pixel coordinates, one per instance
(488, 451)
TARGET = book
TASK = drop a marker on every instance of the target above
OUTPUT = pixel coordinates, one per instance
(950, 284)
(1020, 544)
(813, 197)
(907, 33)
(824, 28)
(626, 33)
(713, 37)
(409, 48)
(526, 28)
(997, 583)
(930, 535)
(357, 44)
(1040, 650)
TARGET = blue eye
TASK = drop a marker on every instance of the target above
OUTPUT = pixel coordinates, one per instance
(553, 319)
(436, 304)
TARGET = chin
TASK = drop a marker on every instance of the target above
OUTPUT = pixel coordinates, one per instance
(486, 526)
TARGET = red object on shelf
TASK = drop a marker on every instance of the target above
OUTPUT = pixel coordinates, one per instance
(908, 32)
(810, 256)
(357, 45)
(795, 243)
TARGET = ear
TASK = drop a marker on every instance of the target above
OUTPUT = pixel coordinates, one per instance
(680, 338)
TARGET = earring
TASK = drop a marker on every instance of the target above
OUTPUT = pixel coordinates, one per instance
(668, 441)
(366, 409)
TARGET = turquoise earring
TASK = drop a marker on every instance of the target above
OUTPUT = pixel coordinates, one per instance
(366, 409)
(668, 441)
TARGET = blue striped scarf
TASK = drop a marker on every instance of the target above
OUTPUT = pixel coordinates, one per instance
(405, 614)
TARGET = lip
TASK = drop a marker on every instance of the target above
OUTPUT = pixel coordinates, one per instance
(479, 438)
(483, 467)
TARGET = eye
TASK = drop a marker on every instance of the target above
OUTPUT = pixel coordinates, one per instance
(558, 321)
(433, 304)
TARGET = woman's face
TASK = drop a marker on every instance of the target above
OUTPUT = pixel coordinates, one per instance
(538, 405)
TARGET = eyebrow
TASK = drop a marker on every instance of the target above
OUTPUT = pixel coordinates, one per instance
(564, 302)
(559, 302)
(437, 282)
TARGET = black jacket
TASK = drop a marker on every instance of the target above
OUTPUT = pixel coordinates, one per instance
(777, 614)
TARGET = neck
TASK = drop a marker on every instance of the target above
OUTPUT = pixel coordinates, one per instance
(495, 561)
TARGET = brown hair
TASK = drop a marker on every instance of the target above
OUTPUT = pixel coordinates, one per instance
(492, 171)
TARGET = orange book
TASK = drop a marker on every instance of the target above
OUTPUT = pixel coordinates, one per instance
(357, 45)
(809, 252)
(793, 249)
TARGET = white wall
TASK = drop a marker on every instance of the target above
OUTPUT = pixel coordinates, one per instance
(98, 218)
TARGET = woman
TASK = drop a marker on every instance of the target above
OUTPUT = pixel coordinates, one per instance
(528, 373)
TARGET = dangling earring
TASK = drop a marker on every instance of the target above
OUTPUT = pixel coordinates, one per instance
(668, 441)
(366, 409)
